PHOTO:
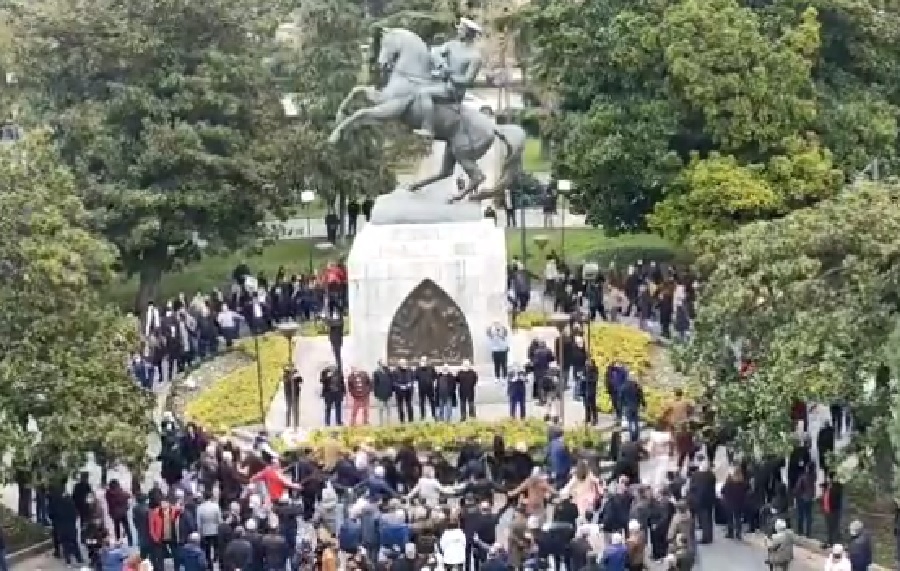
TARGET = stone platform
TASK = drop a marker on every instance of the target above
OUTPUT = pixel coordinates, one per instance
(314, 353)
(419, 280)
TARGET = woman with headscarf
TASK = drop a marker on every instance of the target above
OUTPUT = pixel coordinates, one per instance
(429, 489)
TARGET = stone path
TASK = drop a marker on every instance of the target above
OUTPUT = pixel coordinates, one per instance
(313, 354)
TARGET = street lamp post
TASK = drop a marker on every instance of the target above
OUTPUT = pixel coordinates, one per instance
(288, 330)
(541, 242)
(307, 197)
(564, 187)
(259, 376)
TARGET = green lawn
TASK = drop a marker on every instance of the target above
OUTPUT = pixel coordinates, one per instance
(532, 160)
(215, 271)
(579, 245)
(576, 244)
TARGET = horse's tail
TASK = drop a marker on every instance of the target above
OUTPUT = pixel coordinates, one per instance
(513, 138)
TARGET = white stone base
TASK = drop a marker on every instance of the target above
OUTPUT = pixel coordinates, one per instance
(466, 259)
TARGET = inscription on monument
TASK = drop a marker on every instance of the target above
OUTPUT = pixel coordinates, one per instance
(430, 324)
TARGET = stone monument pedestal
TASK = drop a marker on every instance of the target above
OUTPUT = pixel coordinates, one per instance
(428, 289)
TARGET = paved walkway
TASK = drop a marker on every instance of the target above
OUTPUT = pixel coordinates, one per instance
(294, 228)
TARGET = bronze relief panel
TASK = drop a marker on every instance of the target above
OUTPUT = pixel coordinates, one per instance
(429, 324)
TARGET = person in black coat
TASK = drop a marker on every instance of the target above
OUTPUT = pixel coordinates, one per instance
(63, 517)
(702, 500)
(591, 380)
(734, 501)
(238, 553)
(660, 519)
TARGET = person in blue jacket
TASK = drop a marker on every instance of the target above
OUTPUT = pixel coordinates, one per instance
(376, 487)
(394, 531)
(615, 555)
(559, 460)
(192, 556)
(113, 555)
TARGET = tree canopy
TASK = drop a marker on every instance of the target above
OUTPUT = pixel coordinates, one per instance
(812, 299)
(160, 109)
(693, 100)
(63, 370)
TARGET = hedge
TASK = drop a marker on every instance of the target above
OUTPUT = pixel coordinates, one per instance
(449, 436)
(233, 400)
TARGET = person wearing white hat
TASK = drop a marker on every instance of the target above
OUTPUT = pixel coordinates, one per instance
(838, 560)
(457, 67)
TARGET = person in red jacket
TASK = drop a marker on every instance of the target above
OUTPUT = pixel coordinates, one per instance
(163, 528)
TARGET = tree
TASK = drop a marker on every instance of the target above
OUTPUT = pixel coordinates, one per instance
(812, 299)
(718, 194)
(161, 109)
(673, 83)
(328, 64)
(63, 370)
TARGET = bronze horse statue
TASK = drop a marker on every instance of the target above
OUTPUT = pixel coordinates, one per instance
(409, 65)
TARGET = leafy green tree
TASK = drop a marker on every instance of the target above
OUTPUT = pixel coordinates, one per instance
(64, 368)
(718, 194)
(328, 64)
(161, 109)
(744, 79)
(811, 298)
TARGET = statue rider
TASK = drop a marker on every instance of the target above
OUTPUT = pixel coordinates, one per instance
(458, 66)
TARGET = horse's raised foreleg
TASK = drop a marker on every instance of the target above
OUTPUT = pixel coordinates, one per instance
(384, 111)
(370, 92)
(476, 177)
(447, 163)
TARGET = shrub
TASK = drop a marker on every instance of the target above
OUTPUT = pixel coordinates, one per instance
(449, 436)
(233, 400)
(19, 533)
(530, 319)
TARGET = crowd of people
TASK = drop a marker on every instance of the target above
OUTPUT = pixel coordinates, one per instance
(184, 331)
(650, 291)
(496, 507)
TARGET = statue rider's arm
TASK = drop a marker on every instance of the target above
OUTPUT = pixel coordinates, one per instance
(467, 77)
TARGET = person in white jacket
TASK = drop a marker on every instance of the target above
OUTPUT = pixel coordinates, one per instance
(452, 547)
(429, 488)
(838, 560)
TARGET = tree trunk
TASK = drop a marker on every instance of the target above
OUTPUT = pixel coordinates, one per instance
(24, 504)
(148, 286)
(342, 212)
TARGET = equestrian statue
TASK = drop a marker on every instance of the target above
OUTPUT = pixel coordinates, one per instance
(425, 89)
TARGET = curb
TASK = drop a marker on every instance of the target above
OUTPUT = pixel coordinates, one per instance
(805, 548)
(27, 553)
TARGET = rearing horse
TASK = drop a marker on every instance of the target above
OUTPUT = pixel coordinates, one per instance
(468, 132)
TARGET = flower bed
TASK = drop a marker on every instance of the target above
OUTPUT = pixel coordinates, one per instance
(447, 436)
(233, 400)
